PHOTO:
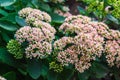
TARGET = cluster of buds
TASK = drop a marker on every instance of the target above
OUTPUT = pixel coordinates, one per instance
(56, 67)
(39, 37)
(15, 48)
(91, 40)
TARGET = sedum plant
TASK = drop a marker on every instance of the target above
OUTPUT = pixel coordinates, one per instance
(77, 49)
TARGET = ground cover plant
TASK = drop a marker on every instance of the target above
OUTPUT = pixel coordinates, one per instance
(59, 40)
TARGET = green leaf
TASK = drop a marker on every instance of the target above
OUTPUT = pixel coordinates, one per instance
(39, 4)
(8, 25)
(7, 2)
(117, 76)
(45, 70)
(5, 36)
(57, 18)
(99, 70)
(81, 10)
(34, 68)
(46, 0)
(116, 73)
(10, 75)
(52, 76)
(112, 18)
(3, 12)
(10, 17)
(10, 8)
(67, 74)
(22, 71)
(45, 7)
(84, 76)
(6, 58)
(20, 21)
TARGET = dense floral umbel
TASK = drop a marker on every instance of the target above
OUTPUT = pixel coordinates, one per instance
(32, 35)
(38, 36)
(112, 48)
(44, 25)
(88, 43)
(39, 41)
(60, 44)
(1, 78)
(70, 55)
(39, 19)
(83, 49)
(15, 49)
(38, 50)
(75, 24)
(25, 12)
(32, 15)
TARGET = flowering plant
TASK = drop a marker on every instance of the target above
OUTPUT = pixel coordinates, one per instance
(37, 43)
(84, 41)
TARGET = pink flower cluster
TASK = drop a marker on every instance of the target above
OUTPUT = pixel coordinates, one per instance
(32, 15)
(44, 25)
(92, 39)
(112, 48)
(39, 41)
(60, 44)
(38, 50)
(75, 24)
(39, 37)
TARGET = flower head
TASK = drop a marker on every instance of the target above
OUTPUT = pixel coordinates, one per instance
(32, 15)
(38, 50)
(39, 41)
(25, 12)
(87, 44)
(112, 49)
